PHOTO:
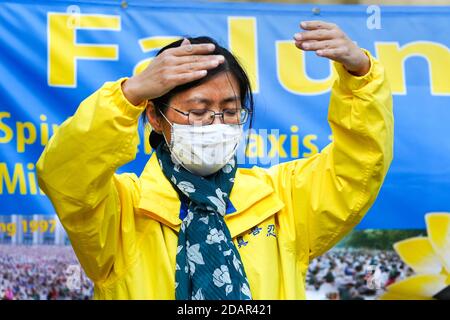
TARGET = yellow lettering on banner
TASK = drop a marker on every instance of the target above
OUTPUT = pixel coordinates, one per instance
(291, 70)
(26, 135)
(18, 177)
(308, 143)
(32, 179)
(276, 145)
(255, 148)
(63, 51)
(242, 37)
(52, 225)
(44, 130)
(9, 228)
(150, 44)
(5, 129)
(294, 142)
(436, 54)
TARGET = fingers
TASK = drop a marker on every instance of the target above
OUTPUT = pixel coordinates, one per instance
(185, 42)
(317, 45)
(190, 68)
(197, 58)
(334, 53)
(187, 45)
(321, 34)
(185, 64)
(323, 37)
(316, 24)
(191, 49)
(329, 41)
(199, 65)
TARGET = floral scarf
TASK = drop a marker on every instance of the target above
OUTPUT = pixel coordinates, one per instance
(208, 265)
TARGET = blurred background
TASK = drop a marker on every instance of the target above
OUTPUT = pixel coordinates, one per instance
(46, 268)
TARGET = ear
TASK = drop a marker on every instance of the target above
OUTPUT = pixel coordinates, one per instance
(153, 117)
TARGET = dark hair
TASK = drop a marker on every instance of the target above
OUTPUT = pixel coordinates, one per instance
(231, 64)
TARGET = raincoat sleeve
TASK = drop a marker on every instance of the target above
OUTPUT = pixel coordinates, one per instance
(76, 171)
(329, 193)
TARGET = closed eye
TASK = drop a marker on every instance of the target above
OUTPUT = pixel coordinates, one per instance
(230, 112)
(198, 112)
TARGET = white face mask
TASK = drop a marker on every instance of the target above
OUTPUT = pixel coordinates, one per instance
(204, 150)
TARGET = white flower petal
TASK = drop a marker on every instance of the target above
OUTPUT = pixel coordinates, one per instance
(189, 217)
(246, 290)
(186, 187)
(227, 168)
(217, 278)
(219, 203)
(237, 264)
(191, 267)
(194, 254)
(215, 236)
(228, 289)
(198, 295)
(221, 276)
(226, 274)
(205, 219)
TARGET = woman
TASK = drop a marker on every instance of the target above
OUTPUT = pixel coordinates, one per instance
(193, 226)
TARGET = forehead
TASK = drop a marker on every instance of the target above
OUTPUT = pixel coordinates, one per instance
(221, 87)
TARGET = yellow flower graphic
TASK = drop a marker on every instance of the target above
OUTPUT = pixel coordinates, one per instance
(429, 257)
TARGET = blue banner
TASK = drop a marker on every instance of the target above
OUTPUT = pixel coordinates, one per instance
(53, 54)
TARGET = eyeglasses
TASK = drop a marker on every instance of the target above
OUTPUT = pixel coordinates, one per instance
(206, 117)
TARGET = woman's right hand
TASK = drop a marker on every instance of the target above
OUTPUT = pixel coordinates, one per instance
(173, 67)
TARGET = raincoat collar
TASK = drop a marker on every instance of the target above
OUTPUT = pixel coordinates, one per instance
(160, 201)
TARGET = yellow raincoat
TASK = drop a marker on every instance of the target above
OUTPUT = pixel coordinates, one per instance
(124, 228)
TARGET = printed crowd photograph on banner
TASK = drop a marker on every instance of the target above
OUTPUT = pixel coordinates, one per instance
(270, 150)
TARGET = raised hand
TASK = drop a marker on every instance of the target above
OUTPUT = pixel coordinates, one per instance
(329, 41)
(173, 67)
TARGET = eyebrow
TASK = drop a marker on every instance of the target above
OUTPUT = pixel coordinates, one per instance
(208, 101)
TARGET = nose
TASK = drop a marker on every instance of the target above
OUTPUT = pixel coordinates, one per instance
(218, 118)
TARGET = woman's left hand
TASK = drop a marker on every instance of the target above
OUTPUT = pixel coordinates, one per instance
(329, 41)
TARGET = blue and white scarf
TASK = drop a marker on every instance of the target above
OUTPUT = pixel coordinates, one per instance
(208, 265)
